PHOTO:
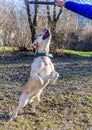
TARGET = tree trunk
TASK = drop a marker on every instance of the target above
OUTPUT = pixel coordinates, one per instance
(32, 21)
(52, 22)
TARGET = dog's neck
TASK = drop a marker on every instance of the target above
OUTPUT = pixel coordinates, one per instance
(42, 50)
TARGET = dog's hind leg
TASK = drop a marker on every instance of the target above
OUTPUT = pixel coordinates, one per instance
(34, 104)
(23, 100)
(36, 101)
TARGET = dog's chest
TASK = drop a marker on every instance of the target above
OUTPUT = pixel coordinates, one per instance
(47, 68)
(43, 66)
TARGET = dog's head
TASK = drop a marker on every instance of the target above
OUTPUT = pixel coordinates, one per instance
(42, 42)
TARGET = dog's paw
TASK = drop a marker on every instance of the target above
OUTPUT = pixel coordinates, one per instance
(35, 114)
(53, 77)
(33, 110)
(14, 115)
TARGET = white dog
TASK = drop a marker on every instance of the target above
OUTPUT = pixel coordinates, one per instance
(42, 73)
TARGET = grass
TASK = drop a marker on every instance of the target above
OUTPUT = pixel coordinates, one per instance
(66, 105)
(79, 53)
(8, 49)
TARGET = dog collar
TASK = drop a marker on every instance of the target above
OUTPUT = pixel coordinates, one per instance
(43, 54)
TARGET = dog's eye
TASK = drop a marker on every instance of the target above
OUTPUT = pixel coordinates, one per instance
(44, 30)
(40, 34)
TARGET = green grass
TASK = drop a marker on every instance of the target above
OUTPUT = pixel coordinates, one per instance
(8, 48)
(80, 53)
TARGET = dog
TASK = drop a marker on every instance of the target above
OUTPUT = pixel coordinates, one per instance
(42, 73)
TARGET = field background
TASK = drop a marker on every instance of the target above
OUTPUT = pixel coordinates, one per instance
(66, 105)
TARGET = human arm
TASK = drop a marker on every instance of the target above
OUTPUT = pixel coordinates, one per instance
(82, 9)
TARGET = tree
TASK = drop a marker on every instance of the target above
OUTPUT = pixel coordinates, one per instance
(53, 18)
(32, 19)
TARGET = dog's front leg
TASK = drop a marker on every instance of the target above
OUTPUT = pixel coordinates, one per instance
(38, 78)
(54, 76)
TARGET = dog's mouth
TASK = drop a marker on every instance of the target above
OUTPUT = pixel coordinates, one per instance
(46, 34)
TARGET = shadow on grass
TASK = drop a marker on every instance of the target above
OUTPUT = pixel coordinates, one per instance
(26, 57)
(21, 61)
(16, 57)
(71, 56)
(5, 116)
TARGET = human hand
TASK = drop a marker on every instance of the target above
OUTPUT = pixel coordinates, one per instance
(59, 3)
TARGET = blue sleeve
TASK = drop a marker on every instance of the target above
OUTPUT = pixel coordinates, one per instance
(82, 9)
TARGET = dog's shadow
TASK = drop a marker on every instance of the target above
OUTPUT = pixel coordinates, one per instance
(4, 116)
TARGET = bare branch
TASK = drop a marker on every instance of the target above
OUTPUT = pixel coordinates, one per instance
(54, 13)
(28, 12)
(35, 14)
(48, 13)
(60, 11)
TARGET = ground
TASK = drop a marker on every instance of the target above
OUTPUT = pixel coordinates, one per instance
(66, 105)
